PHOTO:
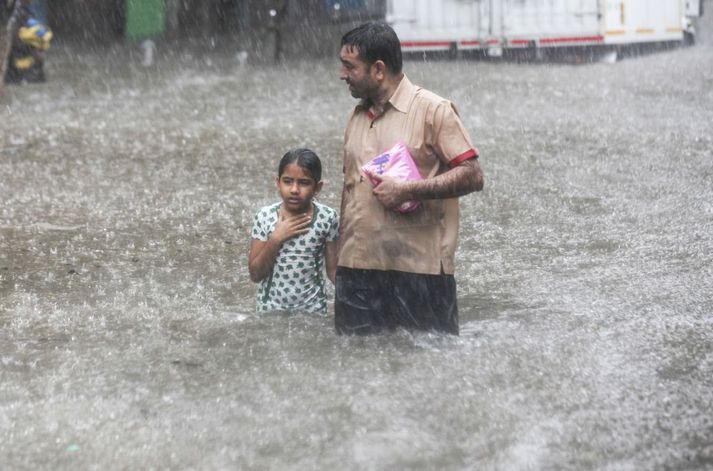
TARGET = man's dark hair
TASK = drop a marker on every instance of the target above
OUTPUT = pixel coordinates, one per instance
(376, 41)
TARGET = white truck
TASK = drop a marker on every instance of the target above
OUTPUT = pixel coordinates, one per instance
(494, 27)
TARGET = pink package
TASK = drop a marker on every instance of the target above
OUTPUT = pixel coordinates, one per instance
(397, 163)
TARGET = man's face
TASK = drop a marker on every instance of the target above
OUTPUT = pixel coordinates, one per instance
(357, 74)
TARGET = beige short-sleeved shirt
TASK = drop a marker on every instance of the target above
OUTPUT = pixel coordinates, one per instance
(373, 237)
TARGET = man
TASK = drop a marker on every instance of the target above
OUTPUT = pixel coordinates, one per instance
(396, 270)
(277, 24)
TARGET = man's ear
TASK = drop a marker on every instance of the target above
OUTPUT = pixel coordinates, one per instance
(379, 69)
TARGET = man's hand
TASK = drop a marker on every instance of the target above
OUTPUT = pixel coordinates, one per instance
(390, 192)
(458, 181)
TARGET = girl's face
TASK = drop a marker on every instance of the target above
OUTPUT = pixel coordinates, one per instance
(297, 188)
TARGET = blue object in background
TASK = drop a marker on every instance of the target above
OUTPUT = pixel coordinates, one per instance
(38, 10)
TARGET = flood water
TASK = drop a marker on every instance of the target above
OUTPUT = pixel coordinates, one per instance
(128, 338)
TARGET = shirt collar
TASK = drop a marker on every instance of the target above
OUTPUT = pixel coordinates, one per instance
(401, 99)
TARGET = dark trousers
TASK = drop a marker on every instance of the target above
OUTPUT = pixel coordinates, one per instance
(371, 301)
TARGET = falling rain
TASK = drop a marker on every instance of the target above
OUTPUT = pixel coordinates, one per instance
(128, 333)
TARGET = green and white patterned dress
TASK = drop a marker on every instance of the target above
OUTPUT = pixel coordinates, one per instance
(297, 279)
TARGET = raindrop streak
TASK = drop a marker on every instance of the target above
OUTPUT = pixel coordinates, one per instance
(128, 337)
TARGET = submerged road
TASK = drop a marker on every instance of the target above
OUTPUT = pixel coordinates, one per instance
(128, 337)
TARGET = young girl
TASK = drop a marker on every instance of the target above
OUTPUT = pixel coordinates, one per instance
(292, 240)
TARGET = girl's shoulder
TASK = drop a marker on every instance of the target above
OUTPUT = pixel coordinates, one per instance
(268, 211)
(326, 221)
(325, 210)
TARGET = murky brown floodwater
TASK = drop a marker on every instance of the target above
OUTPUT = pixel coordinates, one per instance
(127, 333)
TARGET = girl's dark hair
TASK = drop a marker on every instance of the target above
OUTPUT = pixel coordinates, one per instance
(376, 41)
(304, 158)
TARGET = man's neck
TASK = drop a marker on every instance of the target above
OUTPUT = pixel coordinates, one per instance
(389, 86)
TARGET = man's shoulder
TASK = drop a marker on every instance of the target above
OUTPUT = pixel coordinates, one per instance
(425, 96)
(409, 95)
(435, 104)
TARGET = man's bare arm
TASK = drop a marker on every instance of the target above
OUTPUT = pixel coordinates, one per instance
(458, 181)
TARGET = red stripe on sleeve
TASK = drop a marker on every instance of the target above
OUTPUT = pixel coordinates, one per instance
(469, 154)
